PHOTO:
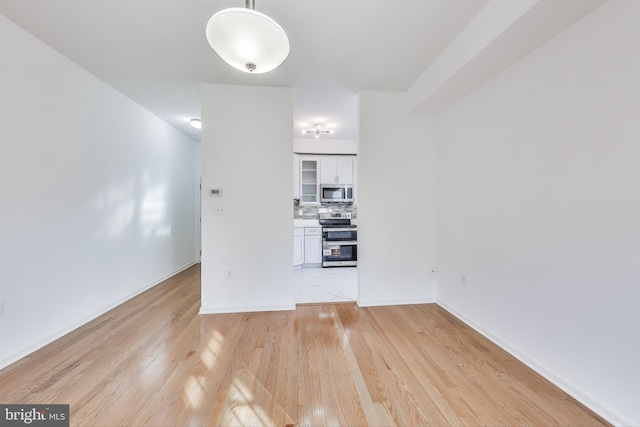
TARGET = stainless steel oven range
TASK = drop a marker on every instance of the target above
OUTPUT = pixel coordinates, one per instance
(339, 240)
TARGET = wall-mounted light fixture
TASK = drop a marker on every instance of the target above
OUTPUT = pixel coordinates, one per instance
(317, 131)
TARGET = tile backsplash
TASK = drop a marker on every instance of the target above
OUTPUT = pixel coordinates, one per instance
(311, 211)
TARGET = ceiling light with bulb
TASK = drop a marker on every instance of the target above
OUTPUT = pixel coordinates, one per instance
(247, 40)
(196, 123)
(317, 131)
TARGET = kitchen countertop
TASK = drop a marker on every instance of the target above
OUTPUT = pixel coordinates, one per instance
(301, 222)
(305, 222)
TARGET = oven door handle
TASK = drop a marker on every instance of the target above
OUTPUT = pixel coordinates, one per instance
(329, 229)
(339, 243)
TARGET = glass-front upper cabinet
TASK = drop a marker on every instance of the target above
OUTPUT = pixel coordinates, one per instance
(309, 185)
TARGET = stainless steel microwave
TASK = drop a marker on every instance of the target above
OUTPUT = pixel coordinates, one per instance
(336, 193)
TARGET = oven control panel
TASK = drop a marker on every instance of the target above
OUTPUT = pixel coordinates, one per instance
(335, 215)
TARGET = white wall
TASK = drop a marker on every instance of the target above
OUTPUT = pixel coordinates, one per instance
(396, 202)
(246, 151)
(97, 195)
(311, 145)
(539, 207)
(198, 155)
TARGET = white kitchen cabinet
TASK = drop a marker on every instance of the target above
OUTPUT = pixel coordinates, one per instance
(309, 185)
(296, 176)
(298, 247)
(336, 170)
(313, 246)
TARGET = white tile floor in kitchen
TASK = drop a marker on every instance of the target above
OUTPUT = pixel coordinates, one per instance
(335, 284)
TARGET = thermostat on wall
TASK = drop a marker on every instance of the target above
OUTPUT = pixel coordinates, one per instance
(215, 191)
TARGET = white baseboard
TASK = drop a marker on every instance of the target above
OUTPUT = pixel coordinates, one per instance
(248, 309)
(14, 357)
(576, 392)
(402, 301)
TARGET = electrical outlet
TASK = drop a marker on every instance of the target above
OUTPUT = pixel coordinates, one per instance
(1, 308)
(229, 274)
(463, 280)
(219, 211)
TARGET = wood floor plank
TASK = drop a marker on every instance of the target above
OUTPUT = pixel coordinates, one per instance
(401, 356)
(154, 361)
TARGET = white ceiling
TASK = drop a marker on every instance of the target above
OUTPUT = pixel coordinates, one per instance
(155, 51)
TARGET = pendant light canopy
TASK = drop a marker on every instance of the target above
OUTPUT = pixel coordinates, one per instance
(247, 40)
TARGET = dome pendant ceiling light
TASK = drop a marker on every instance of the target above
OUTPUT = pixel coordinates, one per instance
(247, 40)
(317, 131)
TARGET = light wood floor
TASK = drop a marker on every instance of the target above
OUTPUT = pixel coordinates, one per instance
(154, 361)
